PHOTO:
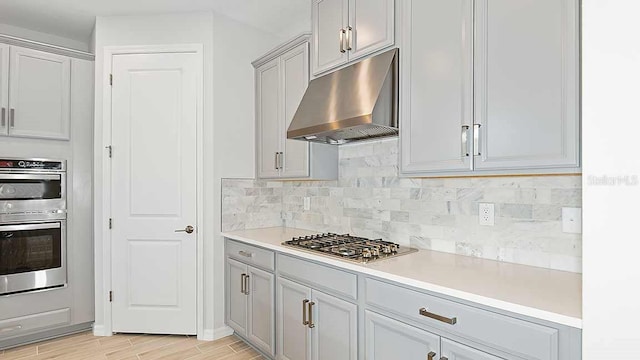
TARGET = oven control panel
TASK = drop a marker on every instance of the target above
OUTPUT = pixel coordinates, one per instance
(30, 164)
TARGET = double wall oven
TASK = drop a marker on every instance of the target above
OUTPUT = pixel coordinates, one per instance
(33, 214)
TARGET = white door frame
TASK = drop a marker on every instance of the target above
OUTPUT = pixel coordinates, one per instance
(109, 52)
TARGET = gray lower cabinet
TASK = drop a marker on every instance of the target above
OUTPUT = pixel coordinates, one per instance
(313, 325)
(451, 350)
(250, 304)
(388, 339)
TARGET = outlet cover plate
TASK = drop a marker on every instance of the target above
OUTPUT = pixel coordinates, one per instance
(486, 214)
(307, 203)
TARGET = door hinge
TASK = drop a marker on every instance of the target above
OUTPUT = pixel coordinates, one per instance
(110, 223)
(110, 148)
(110, 296)
(110, 79)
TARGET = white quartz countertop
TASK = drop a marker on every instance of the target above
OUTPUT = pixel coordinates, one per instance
(550, 295)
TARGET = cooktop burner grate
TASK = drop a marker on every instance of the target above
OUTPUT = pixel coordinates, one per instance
(353, 248)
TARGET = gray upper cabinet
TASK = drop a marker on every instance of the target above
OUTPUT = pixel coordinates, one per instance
(527, 84)
(487, 89)
(453, 351)
(388, 339)
(4, 89)
(282, 77)
(35, 93)
(347, 30)
(437, 85)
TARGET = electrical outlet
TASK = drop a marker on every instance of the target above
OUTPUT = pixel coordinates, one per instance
(486, 214)
(572, 220)
(307, 203)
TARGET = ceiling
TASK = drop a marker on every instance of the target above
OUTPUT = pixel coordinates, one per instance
(74, 19)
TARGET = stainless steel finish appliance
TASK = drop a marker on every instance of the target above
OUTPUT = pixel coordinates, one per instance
(358, 102)
(33, 212)
(347, 247)
(33, 187)
(32, 256)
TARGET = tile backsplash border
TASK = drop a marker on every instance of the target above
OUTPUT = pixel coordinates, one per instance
(369, 199)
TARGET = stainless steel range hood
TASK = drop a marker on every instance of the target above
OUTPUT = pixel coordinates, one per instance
(358, 102)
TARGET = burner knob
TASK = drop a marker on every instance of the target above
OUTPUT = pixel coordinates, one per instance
(366, 253)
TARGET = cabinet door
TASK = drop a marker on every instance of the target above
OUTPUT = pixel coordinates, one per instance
(372, 26)
(40, 88)
(236, 298)
(388, 339)
(454, 351)
(268, 118)
(295, 78)
(437, 86)
(329, 18)
(335, 334)
(293, 336)
(527, 81)
(261, 310)
(4, 89)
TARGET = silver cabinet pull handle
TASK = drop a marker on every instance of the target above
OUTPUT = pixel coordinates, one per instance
(342, 35)
(246, 285)
(276, 160)
(11, 328)
(476, 139)
(3, 116)
(242, 282)
(305, 322)
(281, 160)
(12, 117)
(189, 229)
(349, 38)
(450, 321)
(465, 140)
(245, 254)
(311, 324)
(431, 355)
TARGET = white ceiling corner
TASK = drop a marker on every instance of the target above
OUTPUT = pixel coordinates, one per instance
(74, 19)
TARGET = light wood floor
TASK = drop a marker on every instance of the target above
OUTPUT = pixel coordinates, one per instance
(133, 347)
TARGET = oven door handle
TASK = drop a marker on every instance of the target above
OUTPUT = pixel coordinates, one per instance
(30, 177)
(23, 227)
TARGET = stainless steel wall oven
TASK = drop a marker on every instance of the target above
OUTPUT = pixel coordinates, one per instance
(33, 211)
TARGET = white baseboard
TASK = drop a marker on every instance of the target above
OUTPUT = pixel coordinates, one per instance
(99, 330)
(215, 334)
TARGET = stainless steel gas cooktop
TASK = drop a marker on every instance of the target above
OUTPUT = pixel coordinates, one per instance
(347, 247)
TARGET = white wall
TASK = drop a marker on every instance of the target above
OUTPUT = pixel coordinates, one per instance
(43, 37)
(229, 48)
(611, 74)
(235, 46)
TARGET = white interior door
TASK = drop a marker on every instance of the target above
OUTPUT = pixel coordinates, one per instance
(154, 193)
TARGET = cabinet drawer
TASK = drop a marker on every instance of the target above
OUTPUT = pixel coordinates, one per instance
(26, 324)
(251, 255)
(321, 277)
(528, 340)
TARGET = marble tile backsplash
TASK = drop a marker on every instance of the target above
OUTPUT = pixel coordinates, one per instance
(370, 200)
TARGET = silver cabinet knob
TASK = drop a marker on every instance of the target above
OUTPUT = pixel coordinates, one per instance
(189, 229)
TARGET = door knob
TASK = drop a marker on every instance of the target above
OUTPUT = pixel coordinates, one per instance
(189, 229)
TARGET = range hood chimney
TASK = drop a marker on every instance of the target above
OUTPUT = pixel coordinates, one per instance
(358, 102)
